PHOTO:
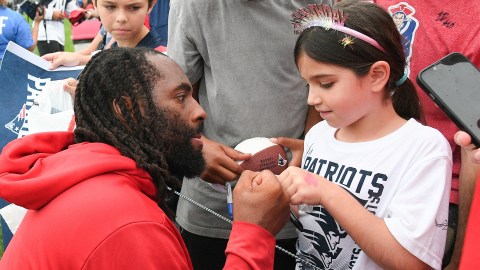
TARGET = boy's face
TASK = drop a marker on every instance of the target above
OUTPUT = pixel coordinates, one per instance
(124, 19)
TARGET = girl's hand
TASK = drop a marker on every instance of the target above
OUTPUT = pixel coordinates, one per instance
(295, 146)
(301, 186)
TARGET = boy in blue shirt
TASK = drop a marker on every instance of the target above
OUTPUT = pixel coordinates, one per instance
(13, 27)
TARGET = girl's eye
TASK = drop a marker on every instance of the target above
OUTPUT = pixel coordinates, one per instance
(134, 8)
(109, 7)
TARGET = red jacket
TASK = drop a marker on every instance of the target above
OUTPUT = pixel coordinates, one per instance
(92, 208)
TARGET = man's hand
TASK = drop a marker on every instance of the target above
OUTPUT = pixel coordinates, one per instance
(295, 146)
(91, 13)
(258, 198)
(465, 141)
(39, 14)
(220, 162)
(58, 15)
(70, 85)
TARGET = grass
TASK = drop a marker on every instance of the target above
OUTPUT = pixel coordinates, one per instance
(68, 37)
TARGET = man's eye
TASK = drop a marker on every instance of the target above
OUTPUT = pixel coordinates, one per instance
(181, 97)
(326, 85)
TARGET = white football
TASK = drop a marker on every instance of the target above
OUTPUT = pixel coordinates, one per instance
(266, 155)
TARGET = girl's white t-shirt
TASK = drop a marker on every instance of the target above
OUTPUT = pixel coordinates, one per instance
(403, 178)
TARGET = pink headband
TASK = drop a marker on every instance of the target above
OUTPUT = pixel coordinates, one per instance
(323, 16)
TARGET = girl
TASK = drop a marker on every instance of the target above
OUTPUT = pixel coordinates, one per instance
(373, 188)
(124, 20)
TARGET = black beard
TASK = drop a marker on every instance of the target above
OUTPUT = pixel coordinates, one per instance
(181, 156)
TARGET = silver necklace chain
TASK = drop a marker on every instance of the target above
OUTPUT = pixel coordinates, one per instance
(229, 221)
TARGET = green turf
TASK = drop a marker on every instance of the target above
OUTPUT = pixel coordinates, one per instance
(68, 37)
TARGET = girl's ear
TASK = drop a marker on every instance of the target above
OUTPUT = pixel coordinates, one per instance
(379, 74)
(94, 2)
(151, 6)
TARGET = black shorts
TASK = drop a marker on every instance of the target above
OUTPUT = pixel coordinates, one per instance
(51, 46)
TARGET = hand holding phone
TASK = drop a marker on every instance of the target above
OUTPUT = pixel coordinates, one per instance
(453, 83)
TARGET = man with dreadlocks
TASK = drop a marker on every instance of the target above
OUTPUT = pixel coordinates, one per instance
(93, 195)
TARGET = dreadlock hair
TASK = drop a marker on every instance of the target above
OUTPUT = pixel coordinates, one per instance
(109, 77)
(367, 18)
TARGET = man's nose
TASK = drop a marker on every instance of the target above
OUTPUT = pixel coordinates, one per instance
(198, 113)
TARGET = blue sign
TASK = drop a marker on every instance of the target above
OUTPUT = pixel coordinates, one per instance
(23, 75)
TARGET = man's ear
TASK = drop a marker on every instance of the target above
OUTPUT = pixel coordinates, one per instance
(127, 101)
(378, 75)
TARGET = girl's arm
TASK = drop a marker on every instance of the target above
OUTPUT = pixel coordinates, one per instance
(369, 231)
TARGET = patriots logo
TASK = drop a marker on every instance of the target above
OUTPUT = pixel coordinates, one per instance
(17, 123)
(281, 161)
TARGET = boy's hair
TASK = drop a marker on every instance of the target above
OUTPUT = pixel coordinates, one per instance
(369, 19)
(109, 77)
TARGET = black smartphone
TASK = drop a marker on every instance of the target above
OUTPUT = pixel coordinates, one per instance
(453, 83)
